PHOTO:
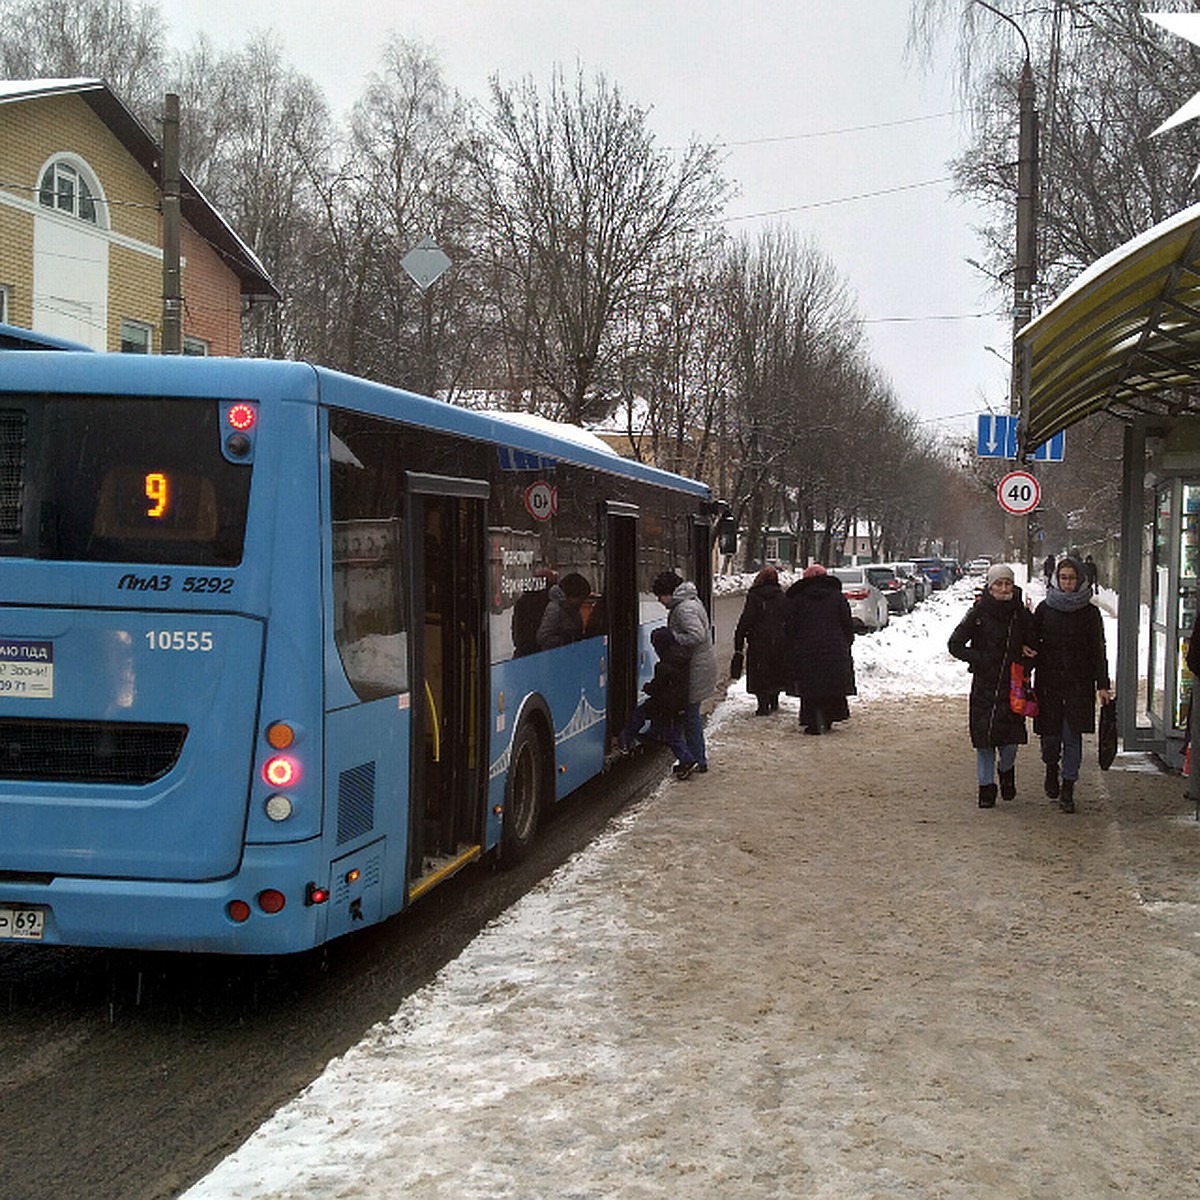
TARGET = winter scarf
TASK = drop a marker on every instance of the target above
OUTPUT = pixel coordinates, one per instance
(1062, 601)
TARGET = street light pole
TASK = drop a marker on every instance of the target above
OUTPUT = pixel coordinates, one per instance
(1025, 273)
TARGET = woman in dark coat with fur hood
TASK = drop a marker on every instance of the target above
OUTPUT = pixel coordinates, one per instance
(997, 632)
(820, 633)
(1072, 670)
(760, 630)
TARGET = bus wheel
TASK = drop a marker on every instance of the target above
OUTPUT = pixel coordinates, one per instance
(524, 791)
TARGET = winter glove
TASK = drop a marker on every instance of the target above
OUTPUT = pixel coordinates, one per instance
(735, 665)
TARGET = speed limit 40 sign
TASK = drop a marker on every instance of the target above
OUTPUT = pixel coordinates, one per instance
(1019, 493)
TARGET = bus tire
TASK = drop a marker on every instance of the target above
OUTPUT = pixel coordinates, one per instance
(524, 794)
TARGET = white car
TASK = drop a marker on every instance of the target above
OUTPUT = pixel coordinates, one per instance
(868, 607)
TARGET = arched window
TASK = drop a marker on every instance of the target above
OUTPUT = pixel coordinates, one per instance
(69, 187)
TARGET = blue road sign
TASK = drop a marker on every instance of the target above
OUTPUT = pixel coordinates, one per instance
(997, 438)
(1051, 450)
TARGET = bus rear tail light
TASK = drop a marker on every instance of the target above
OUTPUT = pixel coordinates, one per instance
(315, 894)
(281, 771)
(271, 901)
(238, 911)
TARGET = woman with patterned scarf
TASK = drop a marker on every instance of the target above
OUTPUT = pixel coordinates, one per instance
(1071, 671)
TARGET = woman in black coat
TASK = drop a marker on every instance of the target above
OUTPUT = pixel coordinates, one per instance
(997, 632)
(1072, 669)
(760, 630)
(820, 669)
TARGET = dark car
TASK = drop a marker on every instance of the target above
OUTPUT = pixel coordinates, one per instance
(920, 581)
(938, 571)
(899, 593)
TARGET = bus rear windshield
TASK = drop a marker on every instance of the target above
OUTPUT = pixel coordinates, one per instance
(98, 479)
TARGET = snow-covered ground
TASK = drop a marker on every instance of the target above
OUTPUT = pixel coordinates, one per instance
(497, 1025)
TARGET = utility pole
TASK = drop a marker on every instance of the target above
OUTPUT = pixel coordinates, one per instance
(1025, 275)
(1019, 530)
(172, 323)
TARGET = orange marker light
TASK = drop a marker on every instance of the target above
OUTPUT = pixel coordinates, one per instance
(280, 736)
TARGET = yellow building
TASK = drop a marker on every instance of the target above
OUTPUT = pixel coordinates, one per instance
(81, 228)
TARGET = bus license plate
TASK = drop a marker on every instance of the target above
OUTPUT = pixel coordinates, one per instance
(21, 924)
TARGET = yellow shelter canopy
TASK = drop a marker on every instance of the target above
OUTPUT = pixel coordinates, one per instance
(1124, 337)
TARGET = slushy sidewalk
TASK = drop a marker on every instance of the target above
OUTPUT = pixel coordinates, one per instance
(820, 970)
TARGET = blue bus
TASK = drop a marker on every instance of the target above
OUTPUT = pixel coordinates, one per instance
(268, 658)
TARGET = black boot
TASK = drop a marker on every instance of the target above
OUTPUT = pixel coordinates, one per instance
(1066, 800)
(1052, 780)
(1008, 784)
(987, 795)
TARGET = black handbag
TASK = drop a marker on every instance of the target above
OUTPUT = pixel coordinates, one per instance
(1106, 738)
(735, 665)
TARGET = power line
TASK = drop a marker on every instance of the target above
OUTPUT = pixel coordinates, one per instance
(800, 137)
(930, 317)
(904, 187)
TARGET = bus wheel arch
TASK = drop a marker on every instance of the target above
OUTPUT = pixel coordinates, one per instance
(526, 789)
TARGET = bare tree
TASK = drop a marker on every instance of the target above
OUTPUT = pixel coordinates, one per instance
(587, 220)
(119, 41)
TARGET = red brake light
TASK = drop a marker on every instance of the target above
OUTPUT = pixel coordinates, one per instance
(281, 771)
(241, 417)
(238, 911)
(271, 901)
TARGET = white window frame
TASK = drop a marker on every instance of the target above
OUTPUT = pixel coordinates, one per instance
(195, 346)
(4, 304)
(67, 166)
(137, 327)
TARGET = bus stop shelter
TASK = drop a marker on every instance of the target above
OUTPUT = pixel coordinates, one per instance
(1124, 338)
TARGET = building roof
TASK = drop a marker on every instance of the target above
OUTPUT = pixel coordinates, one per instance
(142, 147)
(1124, 337)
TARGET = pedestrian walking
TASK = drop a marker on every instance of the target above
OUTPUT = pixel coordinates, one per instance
(665, 704)
(761, 638)
(997, 632)
(1071, 672)
(1048, 568)
(820, 667)
(687, 619)
(1091, 576)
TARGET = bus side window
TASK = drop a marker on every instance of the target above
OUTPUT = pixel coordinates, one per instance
(367, 547)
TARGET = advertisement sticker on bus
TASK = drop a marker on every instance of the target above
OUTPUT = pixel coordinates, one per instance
(27, 669)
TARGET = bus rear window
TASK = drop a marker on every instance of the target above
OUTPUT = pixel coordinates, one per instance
(120, 480)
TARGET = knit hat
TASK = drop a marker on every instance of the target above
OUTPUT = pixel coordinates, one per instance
(813, 571)
(999, 571)
(661, 638)
(665, 583)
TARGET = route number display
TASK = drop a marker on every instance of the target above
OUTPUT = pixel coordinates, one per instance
(1019, 493)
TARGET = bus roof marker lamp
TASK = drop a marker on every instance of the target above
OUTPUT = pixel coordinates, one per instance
(239, 419)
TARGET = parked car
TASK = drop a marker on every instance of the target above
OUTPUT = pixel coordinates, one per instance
(899, 593)
(868, 608)
(955, 569)
(979, 566)
(937, 571)
(921, 585)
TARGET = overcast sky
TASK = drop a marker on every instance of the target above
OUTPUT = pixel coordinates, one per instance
(829, 127)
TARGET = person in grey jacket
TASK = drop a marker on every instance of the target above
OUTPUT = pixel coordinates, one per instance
(688, 623)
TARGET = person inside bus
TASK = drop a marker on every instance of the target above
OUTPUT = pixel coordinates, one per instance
(562, 622)
(665, 703)
(529, 610)
(687, 619)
